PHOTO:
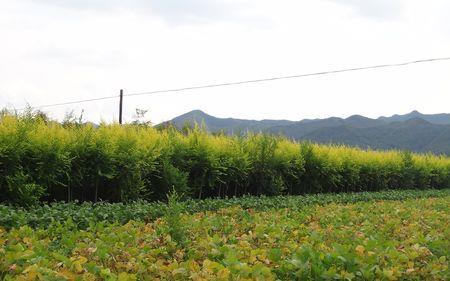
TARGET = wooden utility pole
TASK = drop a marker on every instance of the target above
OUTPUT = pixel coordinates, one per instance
(120, 106)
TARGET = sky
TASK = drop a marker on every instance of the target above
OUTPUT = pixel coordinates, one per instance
(55, 51)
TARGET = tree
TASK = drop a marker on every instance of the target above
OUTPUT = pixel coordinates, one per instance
(139, 118)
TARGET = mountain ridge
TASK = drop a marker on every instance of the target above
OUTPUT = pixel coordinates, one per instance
(413, 131)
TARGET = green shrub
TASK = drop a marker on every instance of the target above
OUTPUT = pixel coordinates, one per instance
(21, 191)
(44, 160)
(175, 226)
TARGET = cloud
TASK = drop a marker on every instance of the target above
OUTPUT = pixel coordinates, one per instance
(170, 10)
(75, 56)
(58, 50)
(381, 9)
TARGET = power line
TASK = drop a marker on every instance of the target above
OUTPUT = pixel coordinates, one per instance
(70, 102)
(291, 76)
(255, 80)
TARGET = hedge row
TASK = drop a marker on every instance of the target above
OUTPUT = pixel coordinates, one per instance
(42, 160)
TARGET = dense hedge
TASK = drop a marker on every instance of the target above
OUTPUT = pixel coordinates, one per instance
(44, 160)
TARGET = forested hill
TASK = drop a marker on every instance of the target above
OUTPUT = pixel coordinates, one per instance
(413, 131)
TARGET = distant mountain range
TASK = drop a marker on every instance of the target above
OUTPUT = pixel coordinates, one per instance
(413, 131)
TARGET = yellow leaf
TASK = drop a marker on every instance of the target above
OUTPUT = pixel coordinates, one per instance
(360, 250)
(31, 268)
(27, 240)
(223, 274)
(82, 260)
(123, 276)
(193, 266)
(389, 274)
(179, 271)
(409, 270)
(77, 266)
(67, 274)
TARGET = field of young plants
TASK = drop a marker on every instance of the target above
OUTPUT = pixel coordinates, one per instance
(80, 202)
(42, 160)
(352, 238)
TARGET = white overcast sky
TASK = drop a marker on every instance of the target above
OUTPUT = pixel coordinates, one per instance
(55, 51)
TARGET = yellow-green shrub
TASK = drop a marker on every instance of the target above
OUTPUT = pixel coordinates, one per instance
(44, 160)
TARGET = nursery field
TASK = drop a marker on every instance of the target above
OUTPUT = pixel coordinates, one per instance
(45, 161)
(353, 240)
(132, 202)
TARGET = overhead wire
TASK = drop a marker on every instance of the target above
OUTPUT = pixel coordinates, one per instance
(248, 81)
(66, 103)
(289, 77)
